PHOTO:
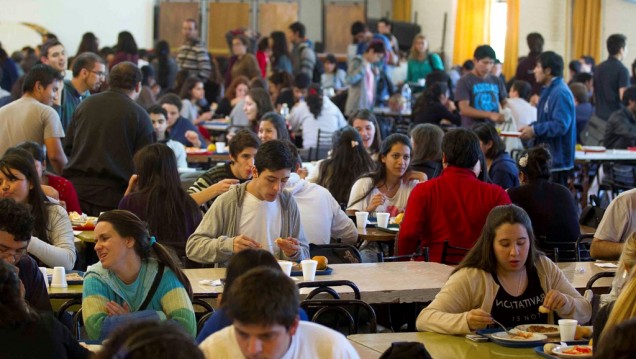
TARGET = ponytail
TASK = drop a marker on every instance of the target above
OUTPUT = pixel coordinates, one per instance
(314, 100)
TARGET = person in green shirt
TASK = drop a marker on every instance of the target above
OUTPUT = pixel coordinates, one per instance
(421, 62)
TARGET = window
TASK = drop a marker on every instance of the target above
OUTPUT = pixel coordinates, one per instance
(498, 19)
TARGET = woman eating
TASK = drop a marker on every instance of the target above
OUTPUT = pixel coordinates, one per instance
(504, 278)
(52, 243)
(155, 195)
(387, 189)
(121, 287)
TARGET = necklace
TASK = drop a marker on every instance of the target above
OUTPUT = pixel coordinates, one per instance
(507, 285)
(390, 189)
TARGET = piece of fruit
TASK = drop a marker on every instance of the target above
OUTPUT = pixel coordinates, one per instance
(322, 262)
(399, 218)
(211, 147)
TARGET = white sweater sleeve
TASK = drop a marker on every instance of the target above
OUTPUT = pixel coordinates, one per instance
(360, 187)
(61, 249)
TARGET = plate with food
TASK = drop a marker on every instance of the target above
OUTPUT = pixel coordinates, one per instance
(550, 330)
(82, 222)
(516, 335)
(321, 269)
(573, 351)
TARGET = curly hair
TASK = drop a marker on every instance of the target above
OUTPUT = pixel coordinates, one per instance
(13, 308)
(16, 219)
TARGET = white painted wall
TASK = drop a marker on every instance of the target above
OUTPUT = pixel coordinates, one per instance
(619, 18)
(430, 17)
(69, 19)
(551, 19)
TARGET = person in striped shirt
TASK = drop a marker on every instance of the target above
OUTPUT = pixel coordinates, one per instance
(193, 56)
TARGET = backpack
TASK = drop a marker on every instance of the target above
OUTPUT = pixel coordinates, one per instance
(319, 67)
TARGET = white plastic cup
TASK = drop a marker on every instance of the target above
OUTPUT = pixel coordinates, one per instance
(220, 147)
(286, 266)
(361, 219)
(567, 329)
(421, 82)
(45, 274)
(383, 219)
(309, 269)
(59, 278)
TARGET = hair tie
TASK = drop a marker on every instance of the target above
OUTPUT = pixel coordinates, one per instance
(313, 92)
(354, 144)
(523, 161)
(153, 240)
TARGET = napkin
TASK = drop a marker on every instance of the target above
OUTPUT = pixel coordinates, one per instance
(606, 265)
(214, 283)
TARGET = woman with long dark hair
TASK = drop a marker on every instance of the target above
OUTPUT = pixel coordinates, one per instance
(235, 93)
(165, 67)
(156, 196)
(427, 149)
(551, 206)
(348, 161)
(505, 278)
(120, 288)
(89, 43)
(272, 126)
(280, 58)
(26, 333)
(313, 114)
(257, 103)
(365, 123)
(387, 189)
(501, 169)
(192, 94)
(434, 106)
(53, 241)
(125, 50)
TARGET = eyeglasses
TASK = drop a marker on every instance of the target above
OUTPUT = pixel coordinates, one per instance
(17, 254)
(98, 73)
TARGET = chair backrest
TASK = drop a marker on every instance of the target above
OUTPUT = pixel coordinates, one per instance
(352, 310)
(336, 253)
(422, 252)
(596, 297)
(202, 320)
(559, 251)
(323, 145)
(325, 287)
(583, 244)
(452, 254)
(77, 324)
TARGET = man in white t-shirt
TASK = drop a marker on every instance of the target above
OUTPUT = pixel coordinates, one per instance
(31, 118)
(264, 310)
(522, 112)
(256, 214)
(618, 223)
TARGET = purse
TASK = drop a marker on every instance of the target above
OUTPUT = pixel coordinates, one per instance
(153, 287)
(592, 214)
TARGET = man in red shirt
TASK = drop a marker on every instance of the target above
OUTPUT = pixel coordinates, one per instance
(453, 206)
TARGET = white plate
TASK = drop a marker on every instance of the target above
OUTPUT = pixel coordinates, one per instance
(503, 336)
(510, 133)
(559, 351)
(553, 333)
(594, 149)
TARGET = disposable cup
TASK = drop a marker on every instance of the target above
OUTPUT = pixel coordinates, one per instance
(309, 269)
(220, 147)
(361, 219)
(286, 266)
(383, 219)
(45, 274)
(567, 329)
(59, 278)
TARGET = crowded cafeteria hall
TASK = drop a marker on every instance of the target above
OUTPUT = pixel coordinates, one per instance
(317, 179)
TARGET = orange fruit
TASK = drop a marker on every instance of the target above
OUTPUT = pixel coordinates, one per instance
(322, 262)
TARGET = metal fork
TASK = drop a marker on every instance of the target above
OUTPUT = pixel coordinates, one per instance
(504, 328)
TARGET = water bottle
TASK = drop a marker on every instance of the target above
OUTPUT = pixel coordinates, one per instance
(406, 94)
(284, 111)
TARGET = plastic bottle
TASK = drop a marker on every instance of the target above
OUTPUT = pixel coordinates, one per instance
(406, 94)
(284, 111)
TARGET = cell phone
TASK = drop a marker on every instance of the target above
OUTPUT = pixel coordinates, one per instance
(476, 338)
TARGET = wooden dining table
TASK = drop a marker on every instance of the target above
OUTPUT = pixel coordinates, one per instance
(418, 281)
(440, 346)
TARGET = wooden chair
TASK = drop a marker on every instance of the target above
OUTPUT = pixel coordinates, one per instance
(336, 253)
(456, 254)
(329, 312)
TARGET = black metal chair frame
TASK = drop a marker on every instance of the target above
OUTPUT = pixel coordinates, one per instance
(456, 252)
(596, 298)
(337, 305)
(325, 287)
